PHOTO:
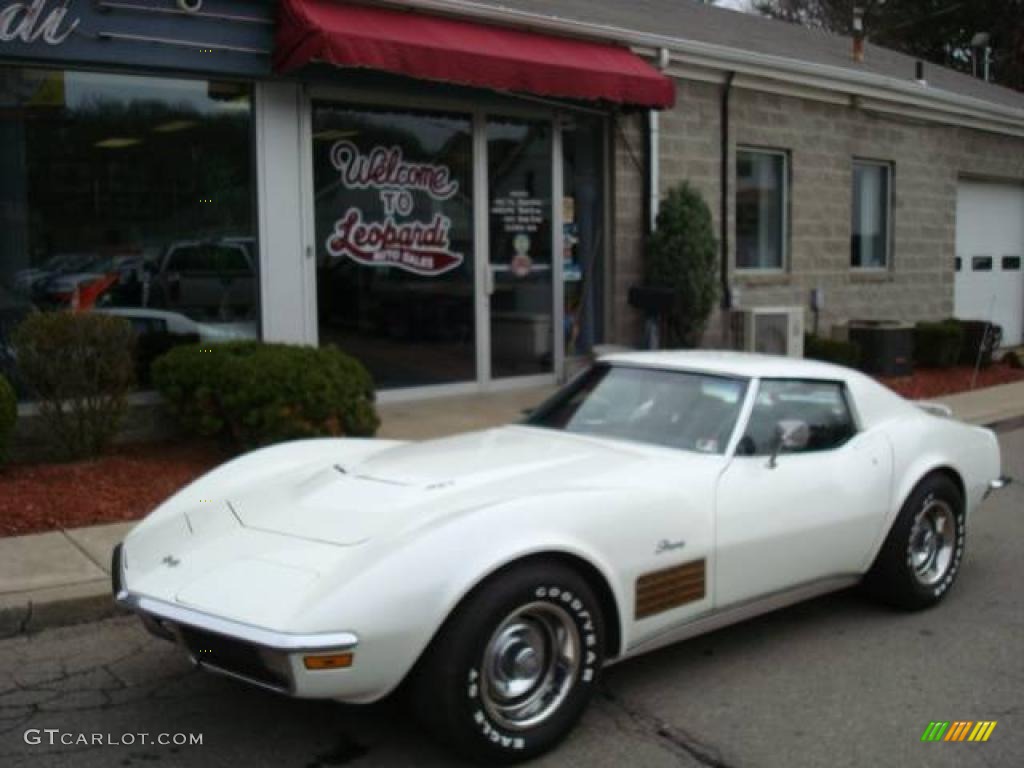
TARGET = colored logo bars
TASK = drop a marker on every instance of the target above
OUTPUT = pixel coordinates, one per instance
(958, 730)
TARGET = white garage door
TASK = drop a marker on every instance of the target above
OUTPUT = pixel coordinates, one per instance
(989, 249)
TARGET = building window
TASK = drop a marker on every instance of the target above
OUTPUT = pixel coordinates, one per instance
(395, 232)
(761, 202)
(869, 242)
(127, 195)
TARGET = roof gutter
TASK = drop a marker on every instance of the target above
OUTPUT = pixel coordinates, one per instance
(732, 59)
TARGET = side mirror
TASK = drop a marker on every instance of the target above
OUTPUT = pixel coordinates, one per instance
(790, 435)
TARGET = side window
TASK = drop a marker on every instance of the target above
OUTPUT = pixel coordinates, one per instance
(819, 404)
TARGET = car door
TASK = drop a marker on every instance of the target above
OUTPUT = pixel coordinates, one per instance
(811, 513)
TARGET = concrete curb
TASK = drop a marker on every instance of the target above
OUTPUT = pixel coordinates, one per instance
(31, 612)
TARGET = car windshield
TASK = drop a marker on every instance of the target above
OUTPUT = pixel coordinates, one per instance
(676, 409)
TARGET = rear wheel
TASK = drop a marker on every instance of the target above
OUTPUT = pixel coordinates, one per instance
(921, 557)
(512, 670)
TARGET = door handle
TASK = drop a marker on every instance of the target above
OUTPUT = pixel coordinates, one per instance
(489, 280)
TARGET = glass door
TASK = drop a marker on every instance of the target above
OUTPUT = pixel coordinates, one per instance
(393, 198)
(519, 273)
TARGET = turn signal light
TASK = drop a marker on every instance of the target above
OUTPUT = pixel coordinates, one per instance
(331, 661)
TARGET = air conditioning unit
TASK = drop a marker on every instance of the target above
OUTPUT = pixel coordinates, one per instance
(769, 330)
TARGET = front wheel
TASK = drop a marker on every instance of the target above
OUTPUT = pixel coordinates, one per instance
(921, 557)
(512, 670)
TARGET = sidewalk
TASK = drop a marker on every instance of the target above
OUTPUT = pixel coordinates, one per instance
(63, 577)
(987, 406)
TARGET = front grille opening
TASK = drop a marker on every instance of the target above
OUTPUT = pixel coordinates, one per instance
(231, 655)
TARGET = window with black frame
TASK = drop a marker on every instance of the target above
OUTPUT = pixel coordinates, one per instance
(869, 243)
(128, 195)
(761, 201)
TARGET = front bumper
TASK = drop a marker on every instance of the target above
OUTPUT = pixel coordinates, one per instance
(262, 657)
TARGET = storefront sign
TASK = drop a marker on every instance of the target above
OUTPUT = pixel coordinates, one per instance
(420, 247)
(385, 168)
(35, 20)
(518, 212)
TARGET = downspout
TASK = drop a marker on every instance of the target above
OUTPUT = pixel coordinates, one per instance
(727, 297)
(654, 152)
(653, 168)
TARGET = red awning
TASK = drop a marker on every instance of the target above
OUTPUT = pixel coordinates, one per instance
(466, 53)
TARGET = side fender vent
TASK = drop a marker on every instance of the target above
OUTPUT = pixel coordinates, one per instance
(670, 588)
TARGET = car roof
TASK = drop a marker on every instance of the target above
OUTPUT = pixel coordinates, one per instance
(728, 363)
(874, 402)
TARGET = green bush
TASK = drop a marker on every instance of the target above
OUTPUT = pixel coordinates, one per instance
(682, 255)
(938, 345)
(256, 394)
(832, 351)
(1013, 359)
(8, 415)
(80, 369)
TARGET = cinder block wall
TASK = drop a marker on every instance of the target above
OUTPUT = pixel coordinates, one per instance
(626, 265)
(822, 140)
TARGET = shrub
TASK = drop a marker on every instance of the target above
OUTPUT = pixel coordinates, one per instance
(938, 345)
(1013, 359)
(832, 351)
(255, 394)
(153, 345)
(191, 379)
(80, 369)
(8, 415)
(981, 339)
(682, 255)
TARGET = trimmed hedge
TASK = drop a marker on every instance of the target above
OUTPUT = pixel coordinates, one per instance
(8, 415)
(845, 353)
(1013, 359)
(80, 369)
(938, 344)
(255, 394)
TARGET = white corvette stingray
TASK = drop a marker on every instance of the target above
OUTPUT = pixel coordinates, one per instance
(656, 497)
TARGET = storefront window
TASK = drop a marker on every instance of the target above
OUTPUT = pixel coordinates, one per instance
(394, 233)
(127, 195)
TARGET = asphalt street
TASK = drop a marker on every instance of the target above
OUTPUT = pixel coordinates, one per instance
(835, 682)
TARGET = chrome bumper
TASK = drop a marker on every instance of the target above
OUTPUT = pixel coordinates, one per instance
(262, 657)
(997, 485)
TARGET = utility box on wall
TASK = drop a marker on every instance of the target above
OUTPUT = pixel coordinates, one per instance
(769, 330)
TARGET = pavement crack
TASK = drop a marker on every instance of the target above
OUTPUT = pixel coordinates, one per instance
(673, 738)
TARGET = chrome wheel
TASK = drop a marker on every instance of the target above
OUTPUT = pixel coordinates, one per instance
(932, 541)
(530, 665)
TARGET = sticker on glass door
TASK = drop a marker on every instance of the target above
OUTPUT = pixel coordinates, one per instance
(422, 247)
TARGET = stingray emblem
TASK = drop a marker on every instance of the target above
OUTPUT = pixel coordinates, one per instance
(171, 561)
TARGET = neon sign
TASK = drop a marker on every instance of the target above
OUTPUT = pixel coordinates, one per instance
(29, 22)
(422, 248)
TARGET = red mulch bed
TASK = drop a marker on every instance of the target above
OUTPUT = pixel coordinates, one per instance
(927, 383)
(124, 485)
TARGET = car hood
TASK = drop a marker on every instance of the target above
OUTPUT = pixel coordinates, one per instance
(302, 526)
(412, 484)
